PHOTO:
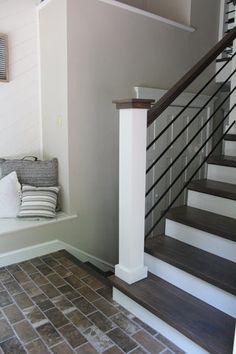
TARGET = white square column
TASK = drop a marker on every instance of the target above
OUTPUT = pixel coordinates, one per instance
(132, 182)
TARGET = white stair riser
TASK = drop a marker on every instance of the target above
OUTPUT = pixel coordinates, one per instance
(204, 291)
(230, 148)
(222, 173)
(212, 203)
(159, 325)
(205, 241)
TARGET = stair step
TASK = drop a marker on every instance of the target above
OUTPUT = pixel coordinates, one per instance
(215, 224)
(206, 266)
(223, 160)
(219, 189)
(210, 328)
(230, 137)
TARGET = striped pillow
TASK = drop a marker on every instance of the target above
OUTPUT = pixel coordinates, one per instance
(38, 201)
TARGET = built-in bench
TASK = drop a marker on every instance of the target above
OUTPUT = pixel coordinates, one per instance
(16, 224)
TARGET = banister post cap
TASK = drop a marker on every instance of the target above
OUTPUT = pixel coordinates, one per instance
(136, 103)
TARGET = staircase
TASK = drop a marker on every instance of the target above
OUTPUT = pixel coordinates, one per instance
(192, 281)
(189, 292)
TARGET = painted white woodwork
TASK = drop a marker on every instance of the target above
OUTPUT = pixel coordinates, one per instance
(197, 287)
(149, 14)
(212, 203)
(41, 249)
(205, 241)
(160, 326)
(234, 348)
(19, 99)
(230, 148)
(165, 139)
(222, 173)
(10, 225)
(132, 164)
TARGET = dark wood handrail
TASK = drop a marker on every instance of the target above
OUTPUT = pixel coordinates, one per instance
(191, 75)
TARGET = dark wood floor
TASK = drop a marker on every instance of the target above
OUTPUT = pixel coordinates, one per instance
(223, 160)
(219, 189)
(215, 224)
(210, 328)
(206, 266)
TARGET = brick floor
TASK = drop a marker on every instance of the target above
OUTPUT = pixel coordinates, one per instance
(50, 304)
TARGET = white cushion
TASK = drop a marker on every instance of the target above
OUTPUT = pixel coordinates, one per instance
(10, 196)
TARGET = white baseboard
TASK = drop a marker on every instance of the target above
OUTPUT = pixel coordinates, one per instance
(45, 248)
(160, 326)
(86, 257)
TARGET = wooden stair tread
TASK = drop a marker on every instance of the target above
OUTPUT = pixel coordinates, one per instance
(216, 224)
(219, 189)
(230, 137)
(206, 266)
(205, 325)
(222, 160)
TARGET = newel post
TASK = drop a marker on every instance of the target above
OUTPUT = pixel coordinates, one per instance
(132, 178)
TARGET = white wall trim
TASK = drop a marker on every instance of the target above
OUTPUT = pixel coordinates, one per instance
(149, 14)
(27, 253)
(8, 226)
(42, 249)
(160, 326)
(137, 11)
(84, 257)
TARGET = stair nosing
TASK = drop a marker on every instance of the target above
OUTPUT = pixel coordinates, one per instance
(144, 302)
(207, 277)
(223, 160)
(212, 191)
(205, 228)
(230, 137)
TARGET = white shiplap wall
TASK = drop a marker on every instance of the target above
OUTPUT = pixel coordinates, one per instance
(20, 130)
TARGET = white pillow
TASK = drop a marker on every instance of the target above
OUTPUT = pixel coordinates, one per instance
(10, 196)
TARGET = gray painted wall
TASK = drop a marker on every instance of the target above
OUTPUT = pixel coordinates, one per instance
(110, 50)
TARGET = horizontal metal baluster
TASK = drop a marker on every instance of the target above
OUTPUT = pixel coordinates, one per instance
(193, 99)
(189, 143)
(191, 160)
(187, 183)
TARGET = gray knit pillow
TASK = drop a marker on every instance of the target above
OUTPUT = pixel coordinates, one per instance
(35, 173)
(1, 162)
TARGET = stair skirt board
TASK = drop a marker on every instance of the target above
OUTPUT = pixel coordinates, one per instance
(159, 325)
(203, 240)
(45, 248)
(230, 148)
(212, 203)
(222, 173)
(204, 291)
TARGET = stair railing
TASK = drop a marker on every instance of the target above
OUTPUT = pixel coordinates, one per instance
(135, 116)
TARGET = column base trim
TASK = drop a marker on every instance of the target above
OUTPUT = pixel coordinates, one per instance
(131, 276)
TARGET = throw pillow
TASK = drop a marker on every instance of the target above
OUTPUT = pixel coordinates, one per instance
(34, 173)
(10, 196)
(38, 202)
